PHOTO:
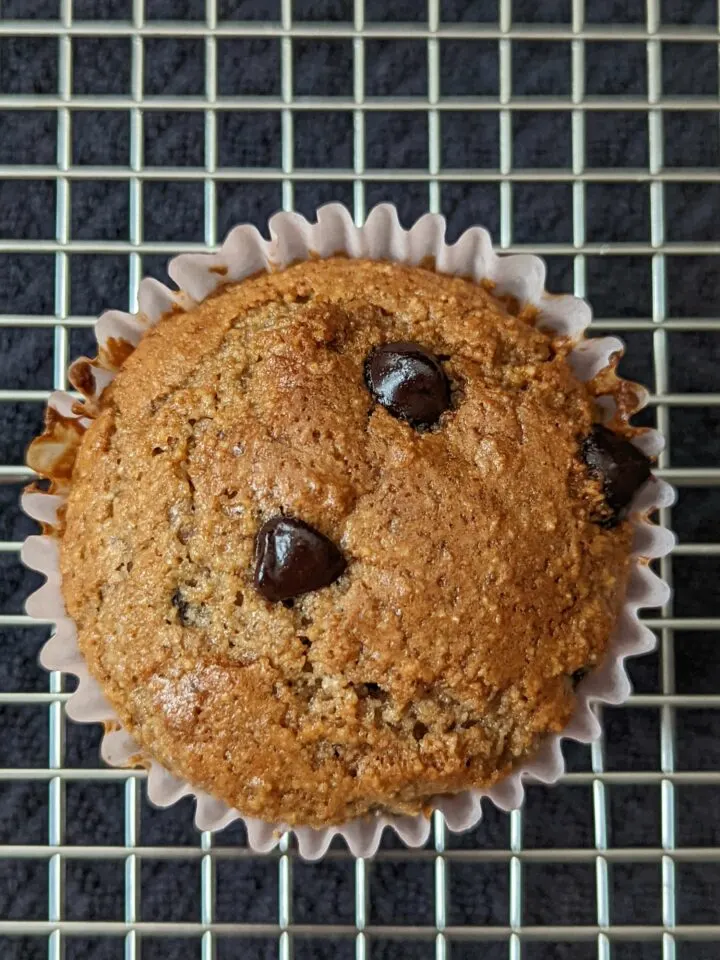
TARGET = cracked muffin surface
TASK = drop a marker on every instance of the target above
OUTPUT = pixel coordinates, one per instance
(476, 580)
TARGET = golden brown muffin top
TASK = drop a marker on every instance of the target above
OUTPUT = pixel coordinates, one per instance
(476, 582)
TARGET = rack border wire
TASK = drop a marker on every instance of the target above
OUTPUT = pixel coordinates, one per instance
(655, 105)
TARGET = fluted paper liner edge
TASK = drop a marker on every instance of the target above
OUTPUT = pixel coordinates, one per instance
(245, 252)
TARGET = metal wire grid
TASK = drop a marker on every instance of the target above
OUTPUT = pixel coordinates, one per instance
(515, 934)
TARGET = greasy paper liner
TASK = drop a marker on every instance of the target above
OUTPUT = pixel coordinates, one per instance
(243, 253)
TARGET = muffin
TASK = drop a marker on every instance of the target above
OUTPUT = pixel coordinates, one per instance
(343, 537)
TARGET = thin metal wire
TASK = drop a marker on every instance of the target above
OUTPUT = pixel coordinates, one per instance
(550, 249)
(661, 364)
(359, 117)
(137, 149)
(361, 908)
(451, 855)
(382, 174)
(526, 933)
(20, 101)
(440, 852)
(628, 33)
(56, 786)
(132, 867)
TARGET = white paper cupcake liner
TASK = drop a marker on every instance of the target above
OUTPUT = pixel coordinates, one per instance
(243, 253)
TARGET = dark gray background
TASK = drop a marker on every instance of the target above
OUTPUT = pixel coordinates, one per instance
(401, 891)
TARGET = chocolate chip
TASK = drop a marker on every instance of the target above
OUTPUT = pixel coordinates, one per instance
(419, 730)
(408, 381)
(292, 558)
(578, 676)
(183, 608)
(622, 468)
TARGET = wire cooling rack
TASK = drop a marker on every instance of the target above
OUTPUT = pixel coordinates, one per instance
(586, 131)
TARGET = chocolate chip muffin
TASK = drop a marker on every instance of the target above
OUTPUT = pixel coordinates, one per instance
(340, 537)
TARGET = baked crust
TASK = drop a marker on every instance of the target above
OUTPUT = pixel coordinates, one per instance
(477, 582)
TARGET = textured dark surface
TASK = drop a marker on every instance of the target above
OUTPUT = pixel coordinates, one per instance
(618, 286)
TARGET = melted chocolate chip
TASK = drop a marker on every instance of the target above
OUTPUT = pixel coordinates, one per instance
(409, 382)
(578, 676)
(292, 558)
(622, 468)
